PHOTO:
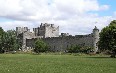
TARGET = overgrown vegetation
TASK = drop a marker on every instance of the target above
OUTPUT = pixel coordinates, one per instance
(108, 38)
(8, 41)
(1, 40)
(79, 49)
(40, 46)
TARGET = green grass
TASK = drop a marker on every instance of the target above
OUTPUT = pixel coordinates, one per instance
(27, 63)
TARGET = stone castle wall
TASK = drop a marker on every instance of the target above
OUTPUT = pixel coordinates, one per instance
(50, 34)
(62, 43)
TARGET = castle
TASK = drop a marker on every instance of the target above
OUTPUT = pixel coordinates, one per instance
(50, 34)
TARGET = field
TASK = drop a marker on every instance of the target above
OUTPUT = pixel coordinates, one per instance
(28, 63)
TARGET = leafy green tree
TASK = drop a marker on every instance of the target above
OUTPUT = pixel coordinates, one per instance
(108, 38)
(1, 39)
(11, 40)
(40, 46)
(8, 40)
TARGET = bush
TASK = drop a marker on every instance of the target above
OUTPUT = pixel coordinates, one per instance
(2, 51)
(74, 49)
(79, 49)
(40, 46)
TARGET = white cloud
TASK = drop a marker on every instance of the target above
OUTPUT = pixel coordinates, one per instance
(76, 6)
(13, 24)
(38, 9)
(104, 7)
(71, 15)
(115, 13)
(10, 7)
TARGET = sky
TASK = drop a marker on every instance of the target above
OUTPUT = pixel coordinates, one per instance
(76, 17)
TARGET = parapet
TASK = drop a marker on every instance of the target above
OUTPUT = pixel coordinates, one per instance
(95, 28)
(83, 36)
(52, 25)
(44, 25)
(47, 25)
(64, 34)
(20, 30)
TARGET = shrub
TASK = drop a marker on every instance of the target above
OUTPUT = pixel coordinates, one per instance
(79, 49)
(74, 49)
(40, 46)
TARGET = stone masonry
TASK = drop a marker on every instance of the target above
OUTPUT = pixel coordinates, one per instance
(50, 34)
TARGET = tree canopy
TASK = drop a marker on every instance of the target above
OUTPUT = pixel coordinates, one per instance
(11, 40)
(1, 39)
(40, 46)
(108, 37)
(8, 40)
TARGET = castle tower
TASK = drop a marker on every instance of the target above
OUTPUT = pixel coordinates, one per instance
(48, 30)
(95, 38)
(25, 29)
(36, 31)
(18, 30)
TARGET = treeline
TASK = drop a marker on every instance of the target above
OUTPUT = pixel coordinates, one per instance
(8, 41)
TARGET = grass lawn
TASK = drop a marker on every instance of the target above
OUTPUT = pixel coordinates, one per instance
(28, 63)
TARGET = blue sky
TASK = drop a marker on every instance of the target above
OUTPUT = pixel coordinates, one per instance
(112, 9)
(72, 16)
(2, 19)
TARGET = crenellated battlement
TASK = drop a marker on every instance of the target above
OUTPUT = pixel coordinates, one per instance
(46, 25)
(20, 30)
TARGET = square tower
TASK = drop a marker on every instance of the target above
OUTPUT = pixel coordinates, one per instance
(48, 30)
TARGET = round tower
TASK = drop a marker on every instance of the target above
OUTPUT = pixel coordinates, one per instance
(95, 39)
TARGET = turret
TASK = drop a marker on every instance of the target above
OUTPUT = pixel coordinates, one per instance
(25, 29)
(52, 25)
(95, 38)
(18, 30)
(36, 31)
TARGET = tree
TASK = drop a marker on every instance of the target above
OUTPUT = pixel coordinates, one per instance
(1, 40)
(108, 38)
(40, 46)
(11, 40)
(8, 40)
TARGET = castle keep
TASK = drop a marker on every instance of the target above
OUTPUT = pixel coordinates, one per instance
(50, 34)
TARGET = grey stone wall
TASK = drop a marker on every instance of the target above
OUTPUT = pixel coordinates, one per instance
(50, 34)
(62, 43)
(24, 33)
